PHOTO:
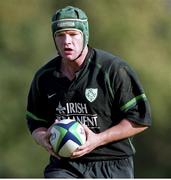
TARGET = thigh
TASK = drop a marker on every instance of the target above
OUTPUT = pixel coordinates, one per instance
(122, 168)
(60, 173)
(119, 168)
(64, 169)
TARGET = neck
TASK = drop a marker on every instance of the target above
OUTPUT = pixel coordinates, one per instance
(69, 68)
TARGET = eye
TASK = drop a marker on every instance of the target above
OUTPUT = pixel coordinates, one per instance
(73, 34)
(60, 34)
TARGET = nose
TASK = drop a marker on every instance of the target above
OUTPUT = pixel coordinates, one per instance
(67, 39)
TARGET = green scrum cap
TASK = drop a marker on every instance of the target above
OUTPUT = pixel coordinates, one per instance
(71, 18)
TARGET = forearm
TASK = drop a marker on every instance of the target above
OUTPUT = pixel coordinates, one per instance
(120, 131)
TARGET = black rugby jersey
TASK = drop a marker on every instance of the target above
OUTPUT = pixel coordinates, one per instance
(104, 91)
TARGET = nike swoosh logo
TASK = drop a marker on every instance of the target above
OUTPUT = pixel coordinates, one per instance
(51, 95)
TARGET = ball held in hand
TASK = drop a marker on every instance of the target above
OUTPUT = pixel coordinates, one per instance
(66, 136)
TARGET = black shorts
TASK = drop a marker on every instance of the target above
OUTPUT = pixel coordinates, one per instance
(118, 168)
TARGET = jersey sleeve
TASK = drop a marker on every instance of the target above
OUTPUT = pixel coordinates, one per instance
(36, 108)
(130, 97)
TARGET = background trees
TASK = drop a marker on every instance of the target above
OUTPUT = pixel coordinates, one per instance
(137, 31)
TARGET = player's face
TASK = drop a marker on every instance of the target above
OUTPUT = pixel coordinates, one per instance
(69, 43)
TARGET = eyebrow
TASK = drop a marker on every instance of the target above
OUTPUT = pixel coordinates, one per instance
(68, 31)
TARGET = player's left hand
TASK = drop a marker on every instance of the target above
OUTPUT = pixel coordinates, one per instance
(92, 141)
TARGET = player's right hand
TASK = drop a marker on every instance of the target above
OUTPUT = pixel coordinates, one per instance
(42, 136)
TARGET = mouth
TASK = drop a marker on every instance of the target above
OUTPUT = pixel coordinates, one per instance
(68, 50)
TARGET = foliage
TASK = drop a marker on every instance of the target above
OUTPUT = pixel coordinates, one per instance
(137, 31)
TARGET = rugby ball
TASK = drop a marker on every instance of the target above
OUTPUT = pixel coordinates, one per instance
(66, 136)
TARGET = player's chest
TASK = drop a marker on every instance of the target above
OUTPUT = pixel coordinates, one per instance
(89, 89)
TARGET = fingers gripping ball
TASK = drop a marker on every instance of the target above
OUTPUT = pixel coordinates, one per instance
(66, 136)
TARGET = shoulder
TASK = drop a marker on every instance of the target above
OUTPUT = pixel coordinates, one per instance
(113, 66)
(106, 59)
(50, 66)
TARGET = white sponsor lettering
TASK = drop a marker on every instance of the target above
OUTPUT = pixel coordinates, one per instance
(78, 112)
(76, 108)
